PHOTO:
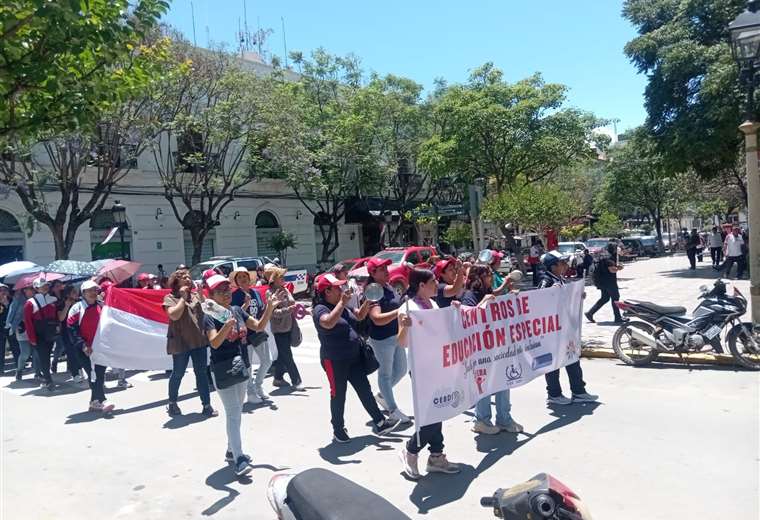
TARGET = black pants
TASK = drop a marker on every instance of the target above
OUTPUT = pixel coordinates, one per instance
(730, 261)
(609, 293)
(716, 254)
(285, 361)
(692, 254)
(574, 372)
(579, 272)
(44, 349)
(339, 374)
(97, 387)
(536, 275)
(430, 436)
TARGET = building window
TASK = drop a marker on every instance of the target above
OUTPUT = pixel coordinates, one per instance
(267, 226)
(101, 225)
(11, 238)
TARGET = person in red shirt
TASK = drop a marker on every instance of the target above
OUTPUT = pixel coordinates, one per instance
(82, 324)
(42, 326)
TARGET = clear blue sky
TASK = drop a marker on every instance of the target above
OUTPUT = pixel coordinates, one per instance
(578, 43)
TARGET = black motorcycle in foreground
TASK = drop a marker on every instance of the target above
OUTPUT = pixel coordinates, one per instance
(656, 329)
(320, 494)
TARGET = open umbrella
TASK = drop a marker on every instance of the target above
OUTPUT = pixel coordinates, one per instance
(14, 267)
(27, 279)
(118, 270)
(71, 267)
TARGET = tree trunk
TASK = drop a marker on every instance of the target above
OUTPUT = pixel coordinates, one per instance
(509, 237)
(62, 249)
(327, 241)
(658, 229)
(198, 235)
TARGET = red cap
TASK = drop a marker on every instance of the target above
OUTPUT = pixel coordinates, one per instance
(208, 273)
(215, 281)
(142, 277)
(497, 255)
(374, 263)
(441, 265)
(328, 280)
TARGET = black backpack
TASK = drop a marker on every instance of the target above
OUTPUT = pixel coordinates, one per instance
(596, 272)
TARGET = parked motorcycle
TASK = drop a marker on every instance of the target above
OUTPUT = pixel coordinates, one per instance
(660, 329)
(320, 494)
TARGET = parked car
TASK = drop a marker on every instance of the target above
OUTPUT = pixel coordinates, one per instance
(574, 249)
(597, 246)
(401, 258)
(650, 245)
(225, 264)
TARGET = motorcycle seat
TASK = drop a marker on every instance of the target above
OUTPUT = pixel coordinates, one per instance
(661, 309)
(320, 494)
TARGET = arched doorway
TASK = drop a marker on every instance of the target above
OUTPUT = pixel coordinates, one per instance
(209, 242)
(11, 238)
(267, 226)
(101, 225)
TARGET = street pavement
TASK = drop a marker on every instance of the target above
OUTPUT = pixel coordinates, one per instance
(664, 442)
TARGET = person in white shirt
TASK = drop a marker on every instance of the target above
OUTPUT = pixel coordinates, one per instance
(734, 253)
(716, 247)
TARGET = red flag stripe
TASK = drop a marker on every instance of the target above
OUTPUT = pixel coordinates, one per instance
(147, 304)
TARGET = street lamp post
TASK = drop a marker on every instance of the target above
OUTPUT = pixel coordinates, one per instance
(745, 46)
(119, 214)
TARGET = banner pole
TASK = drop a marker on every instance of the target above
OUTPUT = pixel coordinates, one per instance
(415, 407)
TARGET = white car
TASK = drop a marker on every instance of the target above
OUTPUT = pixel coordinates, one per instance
(225, 264)
(574, 249)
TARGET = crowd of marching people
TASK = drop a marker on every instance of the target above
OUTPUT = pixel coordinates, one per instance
(222, 324)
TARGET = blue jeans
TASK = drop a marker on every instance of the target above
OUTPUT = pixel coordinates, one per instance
(198, 355)
(232, 401)
(26, 350)
(392, 359)
(265, 361)
(503, 406)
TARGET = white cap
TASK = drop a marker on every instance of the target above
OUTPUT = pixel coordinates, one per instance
(89, 284)
(39, 282)
(216, 280)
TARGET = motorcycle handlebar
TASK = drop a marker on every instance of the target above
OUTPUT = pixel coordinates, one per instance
(488, 501)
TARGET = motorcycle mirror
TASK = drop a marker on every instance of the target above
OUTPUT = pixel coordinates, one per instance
(515, 275)
(485, 256)
(702, 288)
(374, 292)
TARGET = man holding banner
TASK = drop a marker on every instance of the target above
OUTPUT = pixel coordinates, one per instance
(555, 265)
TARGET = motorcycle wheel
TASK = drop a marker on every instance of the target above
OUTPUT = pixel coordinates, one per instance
(630, 351)
(744, 345)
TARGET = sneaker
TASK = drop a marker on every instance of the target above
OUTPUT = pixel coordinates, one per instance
(96, 406)
(123, 383)
(261, 393)
(107, 407)
(400, 416)
(485, 428)
(77, 379)
(173, 409)
(298, 386)
(50, 386)
(511, 426)
(585, 397)
(279, 383)
(560, 400)
(209, 411)
(386, 426)
(230, 458)
(409, 463)
(381, 403)
(341, 436)
(242, 466)
(589, 317)
(439, 464)
(253, 398)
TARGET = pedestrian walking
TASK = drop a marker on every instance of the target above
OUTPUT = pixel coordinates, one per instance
(42, 326)
(186, 340)
(555, 267)
(423, 289)
(536, 250)
(248, 299)
(82, 324)
(716, 247)
(340, 354)
(733, 250)
(451, 275)
(383, 331)
(692, 244)
(585, 264)
(284, 327)
(70, 296)
(17, 329)
(478, 294)
(605, 279)
(226, 328)
(5, 304)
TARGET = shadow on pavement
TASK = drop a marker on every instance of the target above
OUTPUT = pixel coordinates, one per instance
(180, 421)
(333, 452)
(702, 272)
(435, 490)
(566, 415)
(222, 478)
(250, 407)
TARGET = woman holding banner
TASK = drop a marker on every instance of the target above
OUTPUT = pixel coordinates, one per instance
(451, 275)
(340, 352)
(479, 293)
(185, 340)
(383, 328)
(226, 328)
(555, 267)
(423, 288)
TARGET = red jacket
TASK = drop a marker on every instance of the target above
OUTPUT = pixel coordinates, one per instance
(83, 321)
(38, 307)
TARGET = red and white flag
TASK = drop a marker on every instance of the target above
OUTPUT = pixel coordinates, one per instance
(132, 331)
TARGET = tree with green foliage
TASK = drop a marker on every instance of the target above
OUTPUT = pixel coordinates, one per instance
(63, 63)
(323, 138)
(608, 225)
(693, 97)
(281, 242)
(458, 234)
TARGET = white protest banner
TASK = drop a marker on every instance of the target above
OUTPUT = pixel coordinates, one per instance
(459, 356)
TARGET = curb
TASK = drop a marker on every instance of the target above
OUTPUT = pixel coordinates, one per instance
(692, 359)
